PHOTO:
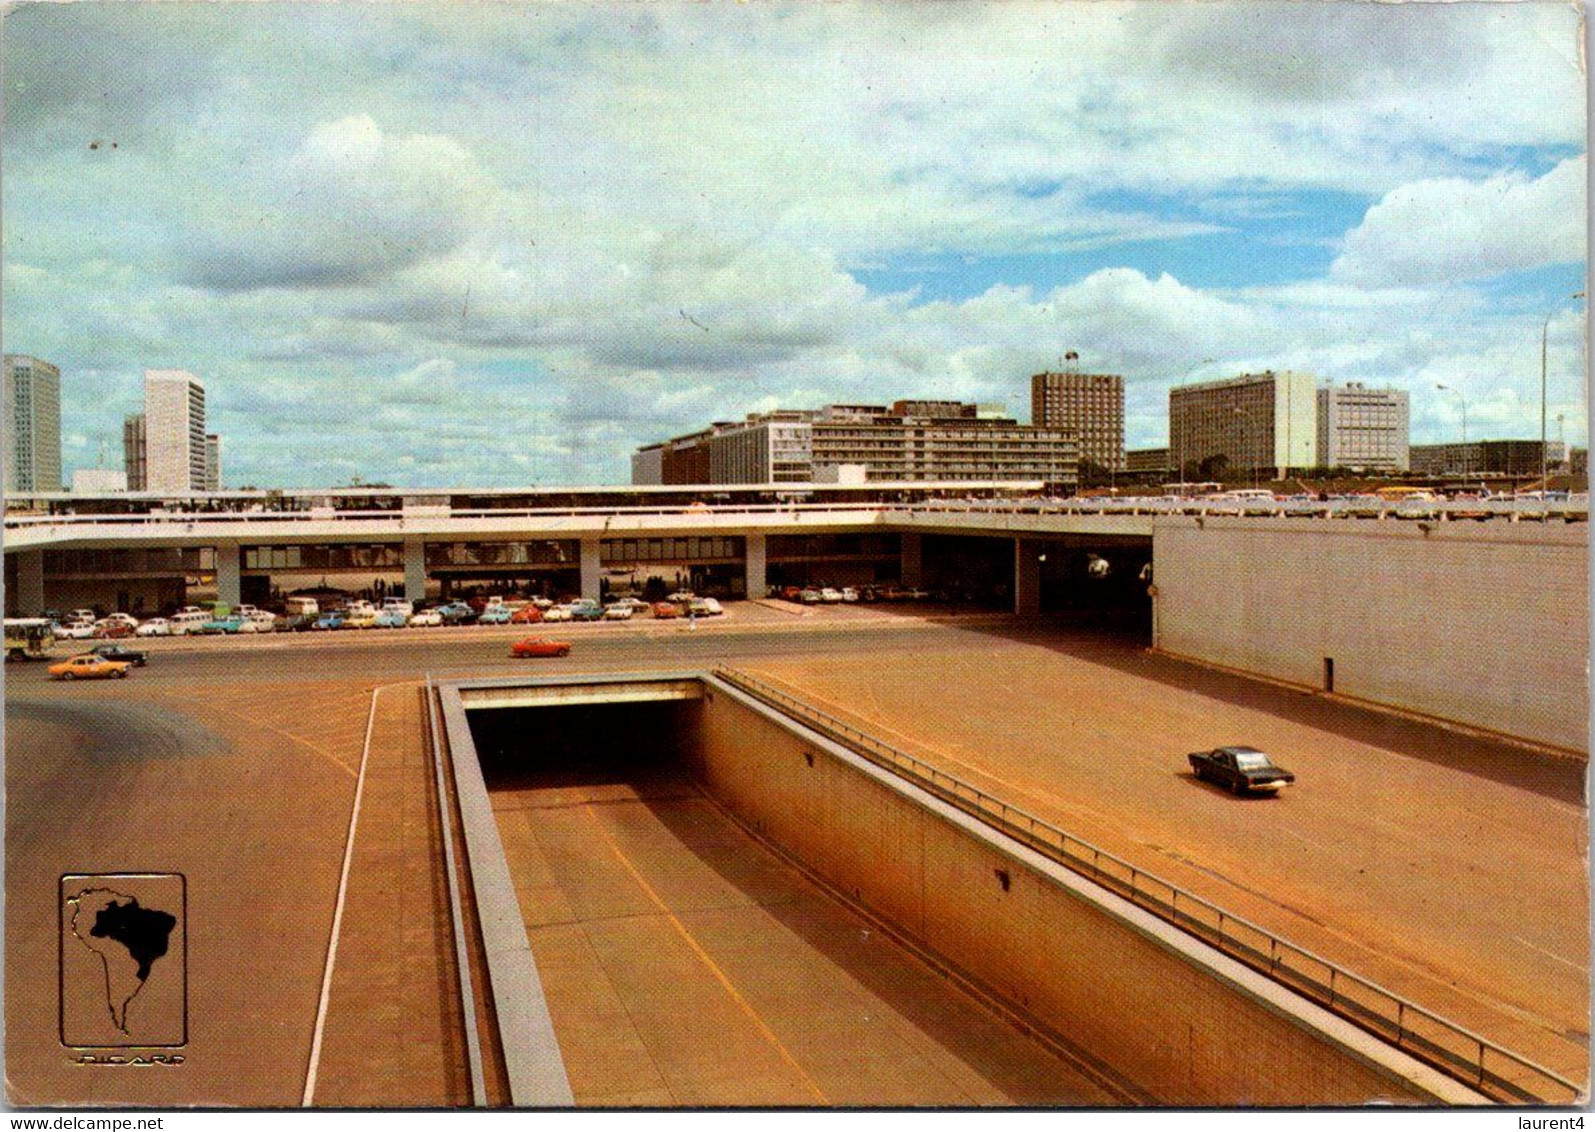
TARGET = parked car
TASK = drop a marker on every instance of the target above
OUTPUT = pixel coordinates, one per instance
(89, 668)
(830, 596)
(185, 621)
(111, 630)
(425, 619)
(539, 646)
(457, 613)
(359, 619)
(557, 613)
(391, 618)
(526, 615)
(584, 612)
(264, 620)
(681, 597)
(666, 609)
(849, 593)
(915, 594)
(811, 597)
(297, 622)
(542, 602)
(76, 631)
(617, 612)
(225, 626)
(328, 621)
(791, 593)
(120, 653)
(1240, 769)
(125, 618)
(704, 607)
(496, 614)
(154, 627)
(398, 603)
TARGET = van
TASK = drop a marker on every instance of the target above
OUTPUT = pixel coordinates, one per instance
(301, 606)
(186, 622)
(397, 605)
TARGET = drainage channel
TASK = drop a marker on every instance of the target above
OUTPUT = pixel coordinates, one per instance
(686, 896)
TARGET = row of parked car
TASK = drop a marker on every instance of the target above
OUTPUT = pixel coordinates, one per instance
(829, 595)
(393, 613)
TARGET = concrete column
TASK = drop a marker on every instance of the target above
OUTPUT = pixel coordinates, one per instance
(592, 571)
(1026, 576)
(415, 569)
(30, 583)
(755, 566)
(229, 574)
(909, 571)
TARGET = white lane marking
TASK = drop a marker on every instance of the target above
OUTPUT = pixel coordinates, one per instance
(1579, 967)
(337, 915)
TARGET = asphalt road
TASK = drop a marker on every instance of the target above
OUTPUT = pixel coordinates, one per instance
(1449, 867)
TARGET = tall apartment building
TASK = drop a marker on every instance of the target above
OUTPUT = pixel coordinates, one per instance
(1091, 405)
(1363, 428)
(174, 431)
(910, 441)
(213, 462)
(1255, 422)
(30, 434)
(134, 451)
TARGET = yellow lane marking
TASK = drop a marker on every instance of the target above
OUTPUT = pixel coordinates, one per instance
(704, 957)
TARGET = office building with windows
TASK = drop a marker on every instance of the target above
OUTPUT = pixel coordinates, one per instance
(1363, 429)
(30, 435)
(1091, 405)
(174, 431)
(1258, 423)
(909, 441)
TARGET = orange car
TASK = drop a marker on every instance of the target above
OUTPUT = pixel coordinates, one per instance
(664, 609)
(527, 615)
(90, 668)
(538, 646)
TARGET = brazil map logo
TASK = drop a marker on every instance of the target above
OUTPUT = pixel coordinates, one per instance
(123, 960)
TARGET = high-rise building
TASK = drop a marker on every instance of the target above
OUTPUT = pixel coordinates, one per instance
(174, 431)
(213, 462)
(134, 451)
(1091, 405)
(30, 434)
(1250, 423)
(1362, 428)
(912, 441)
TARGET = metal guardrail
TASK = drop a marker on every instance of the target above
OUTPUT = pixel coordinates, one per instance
(1481, 510)
(1447, 1046)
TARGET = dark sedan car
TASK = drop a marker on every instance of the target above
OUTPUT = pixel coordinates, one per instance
(121, 653)
(1243, 770)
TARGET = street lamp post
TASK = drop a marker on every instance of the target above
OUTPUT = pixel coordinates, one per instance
(1467, 463)
(1545, 337)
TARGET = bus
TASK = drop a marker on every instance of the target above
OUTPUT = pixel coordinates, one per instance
(29, 637)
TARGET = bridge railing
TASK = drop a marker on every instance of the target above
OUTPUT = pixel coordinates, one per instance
(1453, 1049)
(1481, 510)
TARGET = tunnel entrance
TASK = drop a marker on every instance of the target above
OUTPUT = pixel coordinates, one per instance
(684, 961)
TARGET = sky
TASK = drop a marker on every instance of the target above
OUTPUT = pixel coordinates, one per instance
(504, 244)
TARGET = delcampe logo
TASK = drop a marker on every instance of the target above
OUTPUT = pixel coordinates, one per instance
(124, 960)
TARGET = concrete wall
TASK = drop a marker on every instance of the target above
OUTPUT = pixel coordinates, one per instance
(1176, 1021)
(1482, 624)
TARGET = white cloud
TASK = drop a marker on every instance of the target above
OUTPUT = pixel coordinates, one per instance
(1442, 231)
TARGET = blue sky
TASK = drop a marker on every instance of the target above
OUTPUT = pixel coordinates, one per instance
(509, 243)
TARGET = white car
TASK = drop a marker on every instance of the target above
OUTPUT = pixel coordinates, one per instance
(154, 627)
(543, 602)
(556, 613)
(427, 618)
(681, 597)
(830, 596)
(849, 593)
(263, 620)
(389, 604)
(704, 607)
(616, 612)
(76, 631)
(124, 618)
